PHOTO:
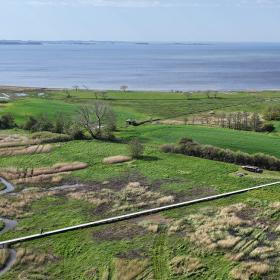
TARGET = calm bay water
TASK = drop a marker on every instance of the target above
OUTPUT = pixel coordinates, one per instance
(142, 66)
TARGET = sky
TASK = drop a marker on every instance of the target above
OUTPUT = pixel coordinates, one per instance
(141, 20)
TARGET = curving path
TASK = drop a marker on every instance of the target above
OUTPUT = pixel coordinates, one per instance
(9, 225)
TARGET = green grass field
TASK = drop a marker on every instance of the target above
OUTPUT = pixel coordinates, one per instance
(251, 142)
(133, 249)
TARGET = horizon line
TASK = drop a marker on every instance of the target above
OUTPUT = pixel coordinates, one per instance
(137, 41)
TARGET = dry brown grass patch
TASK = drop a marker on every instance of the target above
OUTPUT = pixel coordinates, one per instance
(18, 206)
(28, 256)
(249, 269)
(249, 240)
(4, 255)
(37, 149)
(116, 159)
(183, 265)
(229, 242)
(133, 196)
(12, 140)
(129, 269)
(38, 175)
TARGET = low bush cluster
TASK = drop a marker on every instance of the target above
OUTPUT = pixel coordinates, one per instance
(59, 125)
(136, 149)
(189, 147)
(56, 138)
(95, 122)
(7, 121)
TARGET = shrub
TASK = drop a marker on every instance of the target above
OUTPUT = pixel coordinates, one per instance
(42, 123)
(136, 148)
(59, 124)
(7, 121)
(167, 148)
(107, 134)
(268, 127)
(57, 138)
(189, 147)
(49, 137)
(30, 123)
(76, 132)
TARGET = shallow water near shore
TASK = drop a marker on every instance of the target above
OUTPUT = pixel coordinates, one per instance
(151, 66)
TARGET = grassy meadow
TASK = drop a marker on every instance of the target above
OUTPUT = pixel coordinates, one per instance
(233, 238)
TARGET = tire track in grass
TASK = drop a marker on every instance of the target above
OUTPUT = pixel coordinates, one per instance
(160, 258)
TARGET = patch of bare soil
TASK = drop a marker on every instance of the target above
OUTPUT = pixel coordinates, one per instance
(132, 254)
(119, 231)
(171, 122)
(197, 192)
(131, 197)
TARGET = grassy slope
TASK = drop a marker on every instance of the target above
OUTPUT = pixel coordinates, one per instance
(250, 142)
(141, 105)
(79, 251)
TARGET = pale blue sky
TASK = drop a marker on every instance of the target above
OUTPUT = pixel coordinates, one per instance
(141, 20)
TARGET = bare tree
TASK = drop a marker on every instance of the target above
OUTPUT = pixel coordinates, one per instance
(245, 120)
(104, 95)
(67, 93)
(76, 87)
(255, 121)
(96, 94)
(229, 120)
(193, 119)
(94, 118)
(124, 88)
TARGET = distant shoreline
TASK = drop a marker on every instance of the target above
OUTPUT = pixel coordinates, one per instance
(5, 88)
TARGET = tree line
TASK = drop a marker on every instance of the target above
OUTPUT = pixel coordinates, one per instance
(191, 148)
(272, 113)
(237, 121)
(96, 121)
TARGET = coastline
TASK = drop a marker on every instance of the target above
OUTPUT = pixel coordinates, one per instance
(21, 89)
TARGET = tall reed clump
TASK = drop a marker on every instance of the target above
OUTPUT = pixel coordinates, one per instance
(4, 254)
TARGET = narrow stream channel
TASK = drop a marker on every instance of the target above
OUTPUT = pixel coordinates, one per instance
(9, 225)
